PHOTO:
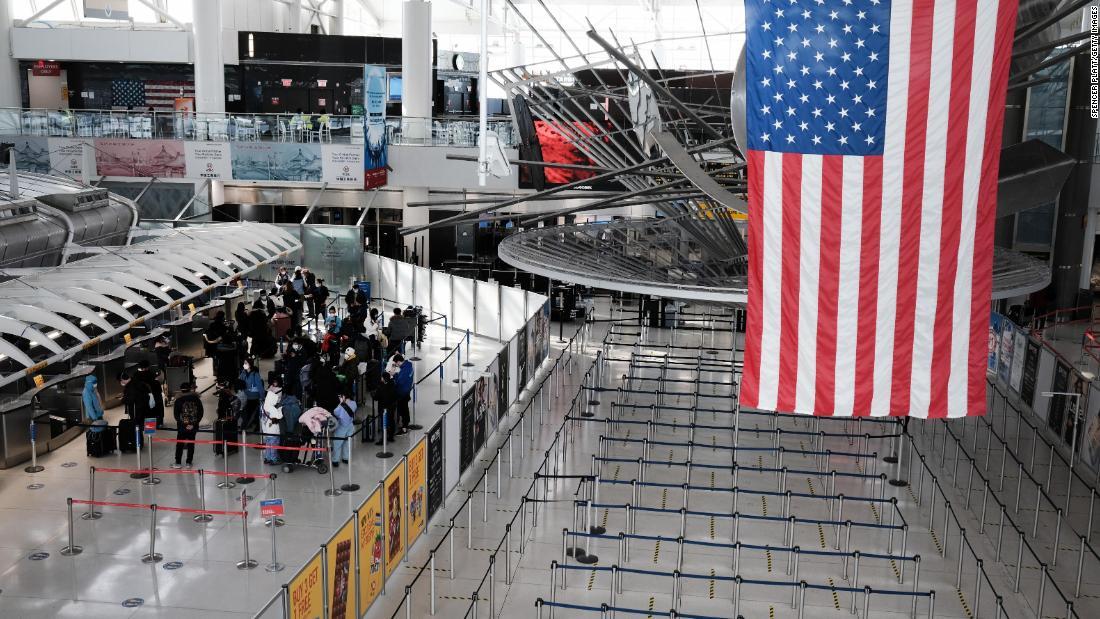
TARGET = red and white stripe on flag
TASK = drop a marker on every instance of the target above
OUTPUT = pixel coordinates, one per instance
(162, 95)
(870, 276)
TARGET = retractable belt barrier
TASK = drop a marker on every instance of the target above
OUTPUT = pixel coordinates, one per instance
(705, 426)
(158, 439)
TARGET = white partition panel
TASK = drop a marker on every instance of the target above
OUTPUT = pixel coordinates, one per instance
(441, 296)
(488, 309)
(463, 303)
(513, 369)
(404, 294)
(422, 278)
(451, 450)
(387, 278)
(370, 272)
(1044, 378)
(512, 317)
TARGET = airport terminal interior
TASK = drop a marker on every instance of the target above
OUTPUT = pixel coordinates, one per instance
(746, 309)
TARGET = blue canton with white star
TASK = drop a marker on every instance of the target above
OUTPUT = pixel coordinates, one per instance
(816, 75)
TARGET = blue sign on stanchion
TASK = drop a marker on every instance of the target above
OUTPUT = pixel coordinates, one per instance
(363, 287)
(150, 426)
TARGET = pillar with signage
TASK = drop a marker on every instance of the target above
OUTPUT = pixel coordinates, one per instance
(416, 109)
(209, 66)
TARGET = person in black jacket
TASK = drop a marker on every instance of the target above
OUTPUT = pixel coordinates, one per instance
(386, 397)
(188, 413)
(151, 377)
(135, 401)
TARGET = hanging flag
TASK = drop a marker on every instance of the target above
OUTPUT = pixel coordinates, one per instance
(874, 139)
(127, 94)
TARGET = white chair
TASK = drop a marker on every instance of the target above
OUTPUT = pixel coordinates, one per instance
(283, 132)
(219, 129)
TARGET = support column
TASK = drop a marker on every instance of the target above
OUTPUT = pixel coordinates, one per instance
(209, 66)
(415, 216)
(416, 107)
(294, 23)
(337, 24)
(10, 94)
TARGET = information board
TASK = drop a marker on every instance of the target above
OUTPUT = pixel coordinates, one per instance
(396, 517)
(435, 469)
(415, 466)
(467, 446)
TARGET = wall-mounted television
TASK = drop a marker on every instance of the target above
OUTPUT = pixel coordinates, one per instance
(395, 88)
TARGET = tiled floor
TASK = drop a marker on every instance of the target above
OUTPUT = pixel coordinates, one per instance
(207, 584)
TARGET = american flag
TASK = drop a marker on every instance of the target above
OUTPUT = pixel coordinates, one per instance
(874, 137)
(127, 93)
(162, 95)
(159, 94)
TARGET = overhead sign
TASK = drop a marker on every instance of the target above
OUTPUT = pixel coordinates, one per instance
(107, 9)
(271, 507)
(44, 68)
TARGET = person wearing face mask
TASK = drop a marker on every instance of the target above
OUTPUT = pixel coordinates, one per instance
(345, 417)
(254, 393)
(271, 421)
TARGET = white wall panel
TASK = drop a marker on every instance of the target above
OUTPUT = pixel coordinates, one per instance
(441, 296)
(463, 303)
(423, 279)
(512, 315)
(388, 279)
(95, 44)
(488, 309)
(451, 435)
(404, 293)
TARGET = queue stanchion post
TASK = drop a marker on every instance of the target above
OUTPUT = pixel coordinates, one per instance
(248, 562)
(332, 491)
(458, 366)
(274, 566)
(468, 364)
(34, 466)
(152, 556)
(203, 517)
(351, 486)
(152, 479)
(446, 330)
(72, 549)
(385, 453)
(439, 400)
(226, 483)
(91, 514)
(412, 421)
(244, 477)
(138, 471)
(274, 494)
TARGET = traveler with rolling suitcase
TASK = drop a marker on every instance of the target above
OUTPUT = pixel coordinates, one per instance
(230, 405)
(100, 437)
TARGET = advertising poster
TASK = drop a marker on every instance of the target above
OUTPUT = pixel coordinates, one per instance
(212, 160)
(370, 550)
(1075, 407)
(306, 591)
(1090, 442)
(435, 469)
(521, 360)
(502, 382)
(480, 416)
(66, 155)
(342, 165)
(340, 570)
(544, 330)
(467, 447)
(276, 161)
(140, 158)
(488, 397)
(1031, 369)
(396, 518)
(417, 470)
(1019, 350)
(994, 341)
(374, 94)
(1056, 416)
(32, 154)
(1004, 356)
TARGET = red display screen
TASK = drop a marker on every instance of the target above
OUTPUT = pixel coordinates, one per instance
(557, 148)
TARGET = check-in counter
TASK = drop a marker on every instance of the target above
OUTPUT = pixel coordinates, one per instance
(56, 410)
(123, 358)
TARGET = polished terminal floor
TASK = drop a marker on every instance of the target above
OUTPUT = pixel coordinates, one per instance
(198, 575)
(502, 513)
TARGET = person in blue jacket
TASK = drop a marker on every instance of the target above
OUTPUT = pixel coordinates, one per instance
(404, 382)
(93, 407)
(254, 396)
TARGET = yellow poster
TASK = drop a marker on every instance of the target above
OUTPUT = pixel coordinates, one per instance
(341, 571)
(396, 518)
(306, 590)
(417, 488)
(370, 550)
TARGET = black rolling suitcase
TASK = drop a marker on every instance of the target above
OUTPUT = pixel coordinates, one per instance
(127, 439)
(225, 430)
(100, 443)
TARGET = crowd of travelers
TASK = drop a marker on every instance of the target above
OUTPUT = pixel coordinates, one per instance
(326, 365)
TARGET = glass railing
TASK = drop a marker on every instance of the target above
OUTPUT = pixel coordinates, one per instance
(198, 126)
